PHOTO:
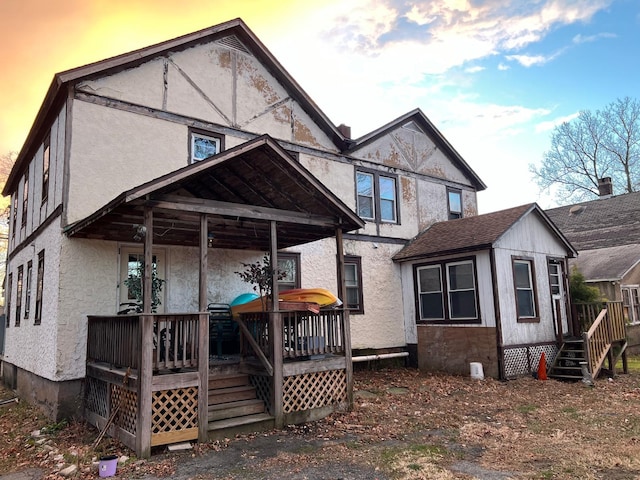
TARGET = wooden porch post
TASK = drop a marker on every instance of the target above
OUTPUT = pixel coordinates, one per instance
(145, 375)
(347, 323)
(148, 260)
(203, 335)
(275, 333)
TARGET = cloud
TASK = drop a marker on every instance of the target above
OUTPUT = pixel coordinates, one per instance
(532, 60)
(502, 66)
(474, 69)
(578, 39)
(551, 124)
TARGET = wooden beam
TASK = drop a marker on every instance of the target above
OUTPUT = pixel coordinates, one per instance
(213, 207)
(275, 333)
(204, 239)
(346, 335)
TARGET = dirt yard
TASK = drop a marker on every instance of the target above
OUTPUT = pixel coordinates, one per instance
(405, 425)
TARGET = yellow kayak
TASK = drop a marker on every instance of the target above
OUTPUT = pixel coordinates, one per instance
(313, 296)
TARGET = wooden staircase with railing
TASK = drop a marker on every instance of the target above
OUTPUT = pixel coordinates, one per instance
(234, 407)
(605, 340)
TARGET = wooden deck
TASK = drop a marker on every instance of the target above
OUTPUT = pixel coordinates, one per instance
(150, 378)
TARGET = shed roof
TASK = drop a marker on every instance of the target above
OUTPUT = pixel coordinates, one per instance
(471, 233)
(241, 190)
(601, 223)
(609, 263)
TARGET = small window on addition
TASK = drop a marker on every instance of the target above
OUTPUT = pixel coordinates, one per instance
(454, 199)
(204, 146)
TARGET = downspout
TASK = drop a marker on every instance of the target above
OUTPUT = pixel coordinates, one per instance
(496, 308)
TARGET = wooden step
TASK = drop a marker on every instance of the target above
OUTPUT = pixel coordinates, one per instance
(567, 377)
(231, 394)
(247, 420)
(229, 380)
(242, 408)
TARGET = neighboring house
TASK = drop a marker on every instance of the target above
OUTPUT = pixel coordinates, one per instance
(131, 133)
(606, 233)
(490, 289)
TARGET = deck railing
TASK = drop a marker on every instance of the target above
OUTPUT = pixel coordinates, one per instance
(303, 333)
(147, 378)
(605, 325)
(116, 340)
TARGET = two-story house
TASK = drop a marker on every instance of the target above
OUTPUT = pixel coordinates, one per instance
(207, 140)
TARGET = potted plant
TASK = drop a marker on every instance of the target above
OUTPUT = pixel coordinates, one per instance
(135, 283)
(259, 274)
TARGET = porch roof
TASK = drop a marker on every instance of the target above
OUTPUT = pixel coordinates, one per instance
(241, 190)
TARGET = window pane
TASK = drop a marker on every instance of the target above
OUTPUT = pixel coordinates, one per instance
(353, 298)
(463, 304)
(461, 276)
(455, 202)
(365, 207)
(203, 147)
(431, 306)
(287, 267)
(387, 210)
(350, 275)
(365, 195)
(429, 279)
(522, 275)
(525, 303)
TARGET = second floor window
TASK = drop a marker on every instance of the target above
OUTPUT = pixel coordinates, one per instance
(454, 200)
(377, 196)
(45, 169)
(25, 199)
(204, 146)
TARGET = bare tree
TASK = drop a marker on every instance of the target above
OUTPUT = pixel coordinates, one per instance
(604, 143)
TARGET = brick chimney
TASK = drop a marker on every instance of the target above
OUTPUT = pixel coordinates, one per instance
(345, 130)
(605, 187)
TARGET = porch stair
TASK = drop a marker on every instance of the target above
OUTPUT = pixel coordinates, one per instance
(566, 365)
(234, 407)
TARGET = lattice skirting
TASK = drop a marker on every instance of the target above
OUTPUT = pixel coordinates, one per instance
(524, 359)
(102, 398)
(314, 390)
(175, 410)
(262, 384)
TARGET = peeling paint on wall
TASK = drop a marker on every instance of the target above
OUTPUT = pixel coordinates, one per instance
(302, 133)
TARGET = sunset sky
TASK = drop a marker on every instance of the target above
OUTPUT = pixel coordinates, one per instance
(494, 76)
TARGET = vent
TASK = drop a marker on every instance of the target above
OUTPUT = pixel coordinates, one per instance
(234, 43)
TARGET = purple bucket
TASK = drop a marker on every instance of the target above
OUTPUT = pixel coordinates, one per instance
(107, 465)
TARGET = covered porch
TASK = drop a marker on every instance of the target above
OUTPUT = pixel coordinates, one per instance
(148, 377)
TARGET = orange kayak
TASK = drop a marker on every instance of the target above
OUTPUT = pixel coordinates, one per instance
(318, 296)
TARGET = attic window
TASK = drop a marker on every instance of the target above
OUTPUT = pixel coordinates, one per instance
(203, 146)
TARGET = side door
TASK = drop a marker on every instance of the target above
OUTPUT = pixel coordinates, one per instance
(558, 297)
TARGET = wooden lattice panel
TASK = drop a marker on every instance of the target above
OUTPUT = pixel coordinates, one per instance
(96, 393)
(314, 390)
(262, 385)
(175, 410)
(524, 360)
(126, 418)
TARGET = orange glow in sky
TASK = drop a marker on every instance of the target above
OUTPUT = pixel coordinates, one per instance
(44, 37)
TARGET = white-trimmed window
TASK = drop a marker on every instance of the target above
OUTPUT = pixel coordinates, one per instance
(353, 282)
(447, 292)
(203, 146)
(377, 196)
(289, 266)
(524, 284)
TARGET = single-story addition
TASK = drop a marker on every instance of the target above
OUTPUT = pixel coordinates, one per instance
(490, 289)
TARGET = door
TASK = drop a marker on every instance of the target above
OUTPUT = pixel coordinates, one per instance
(558, 297)
(131, 264)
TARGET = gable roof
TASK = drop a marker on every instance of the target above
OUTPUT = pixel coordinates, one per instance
(234, 31)
(430, 129)
(601, 223)
(470, 234)
(242, 190)
(607, 264)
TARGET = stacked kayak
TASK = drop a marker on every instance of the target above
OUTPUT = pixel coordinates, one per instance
(314, 298)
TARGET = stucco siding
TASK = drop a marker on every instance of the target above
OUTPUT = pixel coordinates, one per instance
(125, 148)
(22, 342)
(142, 85)
(88, 279)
